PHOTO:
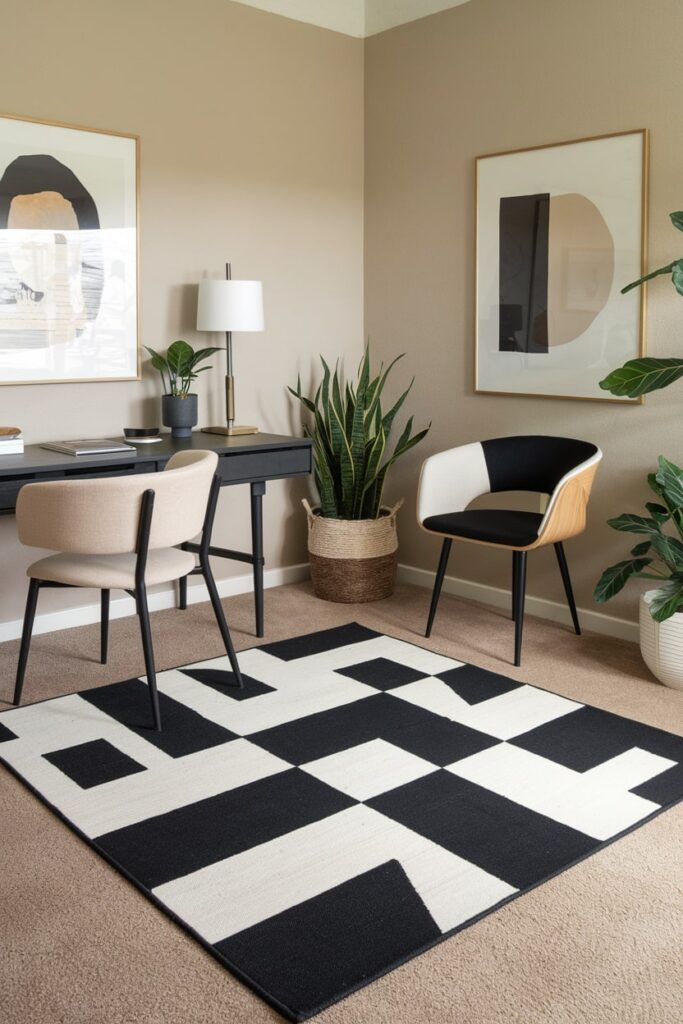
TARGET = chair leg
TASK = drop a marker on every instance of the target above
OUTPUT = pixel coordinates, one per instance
(566, 579)
(220, 619)
(514, 586)
(146, 633)
(29, 616)
(182, 593)
(519, 558)
(104, 627)
(438, 582)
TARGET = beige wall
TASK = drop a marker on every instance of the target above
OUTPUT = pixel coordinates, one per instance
(489, 76)
(251, 131)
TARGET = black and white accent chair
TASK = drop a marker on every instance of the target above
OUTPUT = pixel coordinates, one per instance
(560, 467)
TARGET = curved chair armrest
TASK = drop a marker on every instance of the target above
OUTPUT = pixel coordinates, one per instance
(565, 515)
(450, 480)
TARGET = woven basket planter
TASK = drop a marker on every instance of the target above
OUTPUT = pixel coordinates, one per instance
(353, 560)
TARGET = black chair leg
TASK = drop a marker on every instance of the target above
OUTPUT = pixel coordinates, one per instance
(182, 593)
(514, 586)
(220, 619)
(104, 627)
(146, 633)
(519, 588)
(566, 579)
(438, 583)
(26, 633)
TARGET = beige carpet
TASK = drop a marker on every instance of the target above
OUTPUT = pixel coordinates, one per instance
(600, 943)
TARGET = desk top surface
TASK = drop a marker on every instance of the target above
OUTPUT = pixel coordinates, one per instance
(36, 459)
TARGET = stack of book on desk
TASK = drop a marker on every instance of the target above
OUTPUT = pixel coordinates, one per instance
(11, 441)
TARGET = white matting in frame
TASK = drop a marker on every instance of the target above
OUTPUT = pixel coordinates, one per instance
(560, 231)
(68, 254)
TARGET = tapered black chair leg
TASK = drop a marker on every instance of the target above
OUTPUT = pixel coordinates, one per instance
(514, 586)
(146, 633)
(27, 631)
(220, 619)
(182, 593)
(520, 590)
(104, 627)
(438, 583)
(566, 579)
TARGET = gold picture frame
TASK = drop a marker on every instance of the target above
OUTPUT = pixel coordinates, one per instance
(598, 232)
(69, 253)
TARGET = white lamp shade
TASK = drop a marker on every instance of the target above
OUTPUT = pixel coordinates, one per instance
(230, 306)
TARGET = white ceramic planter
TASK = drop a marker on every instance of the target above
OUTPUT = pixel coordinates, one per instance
(661, 645)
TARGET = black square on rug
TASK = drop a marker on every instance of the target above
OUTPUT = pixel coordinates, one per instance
(360, 800)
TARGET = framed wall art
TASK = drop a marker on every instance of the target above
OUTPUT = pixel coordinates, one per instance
(68, 254)
(560, 230)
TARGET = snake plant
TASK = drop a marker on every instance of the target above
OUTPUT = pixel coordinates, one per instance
(659, 556)
(639, 376)
(350, 434)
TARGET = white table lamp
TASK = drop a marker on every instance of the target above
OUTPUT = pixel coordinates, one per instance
(230, 306)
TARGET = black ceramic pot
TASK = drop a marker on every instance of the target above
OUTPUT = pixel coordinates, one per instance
(180, 414)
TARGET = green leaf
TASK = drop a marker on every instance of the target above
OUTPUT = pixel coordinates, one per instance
(677, 219)
(640, 376)
(200, 355)
(658, 512)
(667, 600)
(306, 402)
(670, 478)
(389, 418)
(627, 522)
(677, 276)
(179, 358)
(670, 550)
(648, 277)
(617, 576)
(641, 549)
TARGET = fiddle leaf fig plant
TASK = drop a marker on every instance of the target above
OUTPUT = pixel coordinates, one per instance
(659, 556)
(180, 366)
(350, 434)
(639, 376)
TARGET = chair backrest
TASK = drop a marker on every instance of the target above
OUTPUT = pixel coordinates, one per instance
(533, 462)
(558, 466)
(101, 516)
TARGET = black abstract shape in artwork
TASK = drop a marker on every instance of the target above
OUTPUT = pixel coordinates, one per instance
(29, 175)
(523, 280)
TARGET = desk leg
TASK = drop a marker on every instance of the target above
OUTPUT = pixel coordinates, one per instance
(258, 489)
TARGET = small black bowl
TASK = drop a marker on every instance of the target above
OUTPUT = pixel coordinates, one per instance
(140, 431)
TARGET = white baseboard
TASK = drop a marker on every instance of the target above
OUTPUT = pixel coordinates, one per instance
(544, 609)
(120, 607)
(84, 615)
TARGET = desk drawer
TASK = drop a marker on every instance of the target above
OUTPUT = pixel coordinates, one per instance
(272, 465)
(9, 489)
(94, 473)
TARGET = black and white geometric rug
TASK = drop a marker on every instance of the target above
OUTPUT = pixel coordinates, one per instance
(360, 800)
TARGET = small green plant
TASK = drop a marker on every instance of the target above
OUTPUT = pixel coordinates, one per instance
(660, 555)
(178, 368)
(639, 376)
(350, 434)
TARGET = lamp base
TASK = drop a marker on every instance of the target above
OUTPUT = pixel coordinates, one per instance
(234, 431)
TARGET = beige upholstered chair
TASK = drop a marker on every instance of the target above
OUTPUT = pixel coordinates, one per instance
(121, 533)
(560, 467)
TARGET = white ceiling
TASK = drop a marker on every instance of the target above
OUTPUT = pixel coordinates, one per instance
(354, 17)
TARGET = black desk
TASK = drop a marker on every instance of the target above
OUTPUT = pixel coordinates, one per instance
(252, 459)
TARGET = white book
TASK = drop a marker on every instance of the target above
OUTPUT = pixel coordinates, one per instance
(15, 446)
